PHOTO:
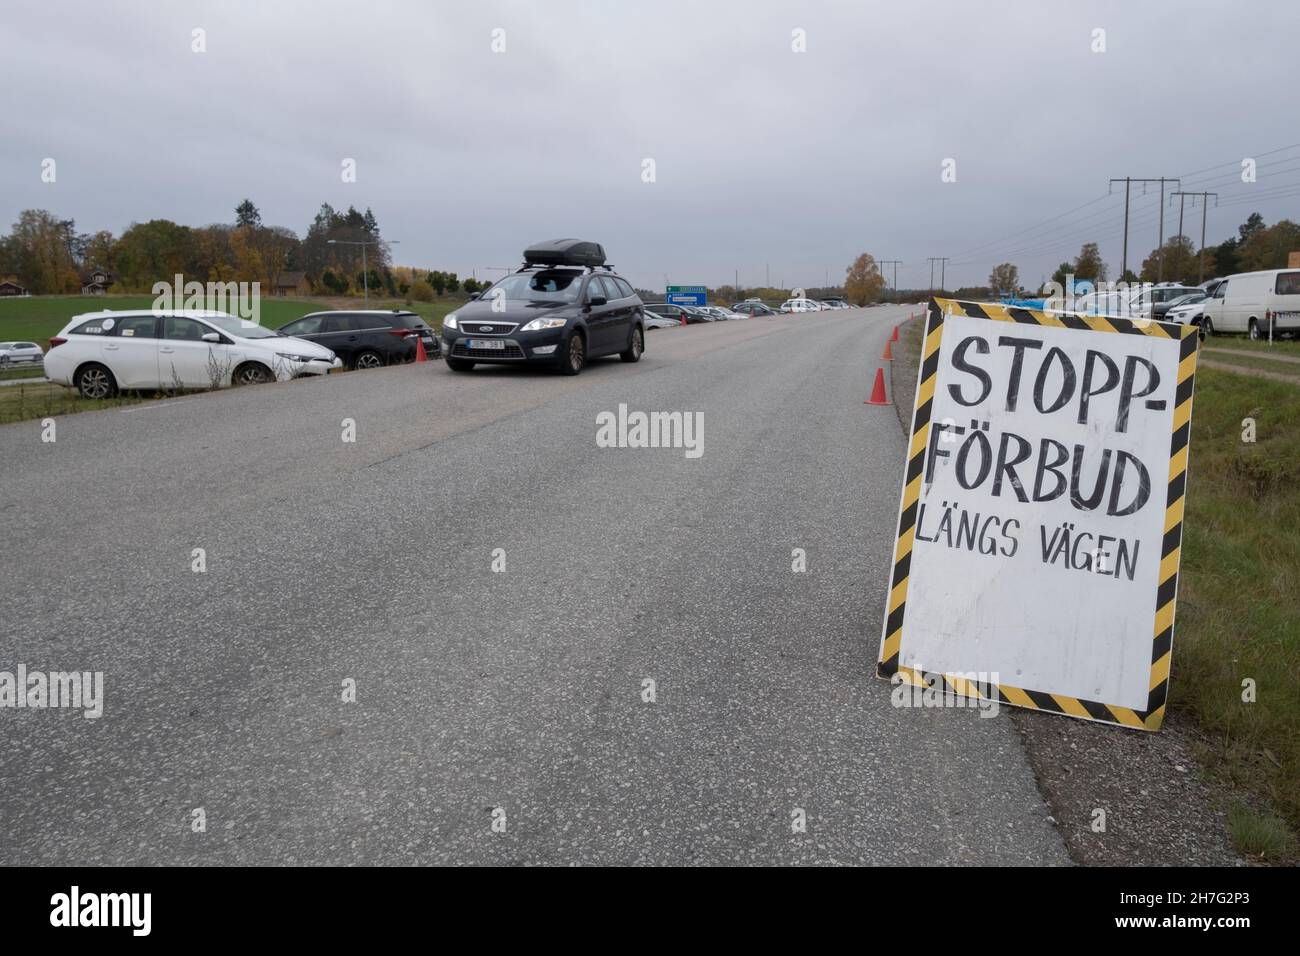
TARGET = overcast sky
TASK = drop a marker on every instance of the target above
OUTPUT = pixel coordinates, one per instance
(762, 155)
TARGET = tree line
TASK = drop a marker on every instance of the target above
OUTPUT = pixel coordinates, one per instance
(48, 255)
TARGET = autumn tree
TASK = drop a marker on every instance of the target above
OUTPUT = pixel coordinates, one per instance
(1180, 262)
(1004, 279)
(863, 282)
(42, 251)
(1089, 265)
(1268, 247)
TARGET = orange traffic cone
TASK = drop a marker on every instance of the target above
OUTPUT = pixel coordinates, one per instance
(420, 355)
(889, 351)
(894, 337)
(878, 390)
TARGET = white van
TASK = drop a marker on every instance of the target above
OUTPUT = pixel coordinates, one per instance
(1249, 301)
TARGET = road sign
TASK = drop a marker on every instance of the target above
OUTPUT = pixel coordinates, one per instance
(687, 295)
(1040, 523)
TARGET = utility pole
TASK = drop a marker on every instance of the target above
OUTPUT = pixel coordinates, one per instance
(895, 263)
(1128, 182)
(943, 265)
(1205, 202)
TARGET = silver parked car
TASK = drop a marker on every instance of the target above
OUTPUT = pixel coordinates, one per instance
(20, 353)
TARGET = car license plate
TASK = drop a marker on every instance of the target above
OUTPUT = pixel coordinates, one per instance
(487, 344)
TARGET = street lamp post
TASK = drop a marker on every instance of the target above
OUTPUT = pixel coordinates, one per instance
(365, 271)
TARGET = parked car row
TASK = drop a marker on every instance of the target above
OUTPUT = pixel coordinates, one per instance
(1253, 303)
(814, 305)
(101, 353)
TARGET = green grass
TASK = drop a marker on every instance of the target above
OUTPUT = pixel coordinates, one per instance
(41, 400)
(1238, 617)
(1243, 344)
(1261, 835)
(40, 317)
(1251, 360)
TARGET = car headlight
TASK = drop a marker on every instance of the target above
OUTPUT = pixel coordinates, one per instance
(297, 358)
(552, 322)
(450, 321)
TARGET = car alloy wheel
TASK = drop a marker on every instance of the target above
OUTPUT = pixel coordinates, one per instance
(369, 360)
(576, 356)
(252, 375)
(95, 382)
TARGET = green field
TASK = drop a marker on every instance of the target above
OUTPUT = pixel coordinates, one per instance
(1238, 617)
(40, 317)
(1280, 346)
(1267, 362)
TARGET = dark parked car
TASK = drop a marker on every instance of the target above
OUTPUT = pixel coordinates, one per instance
(694, 315)
(366, 339)
(669, 311)
(563, 307)
(752, 308)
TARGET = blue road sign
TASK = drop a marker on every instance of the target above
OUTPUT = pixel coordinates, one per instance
(687, 295)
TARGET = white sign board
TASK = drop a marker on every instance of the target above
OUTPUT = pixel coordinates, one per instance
(1041, 515)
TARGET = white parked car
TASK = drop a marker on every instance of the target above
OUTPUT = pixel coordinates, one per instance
(1143, 302)
(801, 305)
(101, 352)
(20, 353)
(1252, 301)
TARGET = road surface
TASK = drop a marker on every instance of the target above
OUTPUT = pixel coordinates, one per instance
(485, 696)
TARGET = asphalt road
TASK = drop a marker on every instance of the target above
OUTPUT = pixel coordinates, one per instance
(477, 690)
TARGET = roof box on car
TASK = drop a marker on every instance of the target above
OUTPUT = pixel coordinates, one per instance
(565, 252)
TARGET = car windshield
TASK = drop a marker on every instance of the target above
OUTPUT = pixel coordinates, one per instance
(240, 327)
(538, 287)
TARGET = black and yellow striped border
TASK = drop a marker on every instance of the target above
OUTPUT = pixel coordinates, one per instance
(1167, 590)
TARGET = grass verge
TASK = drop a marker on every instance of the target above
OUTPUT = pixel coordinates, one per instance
(42, 399)
(1240, 343)
(1265, 363)
(1237, 637)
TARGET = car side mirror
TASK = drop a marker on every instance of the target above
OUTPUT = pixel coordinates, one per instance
(473, 296)
(211, 337)
(597, 300)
